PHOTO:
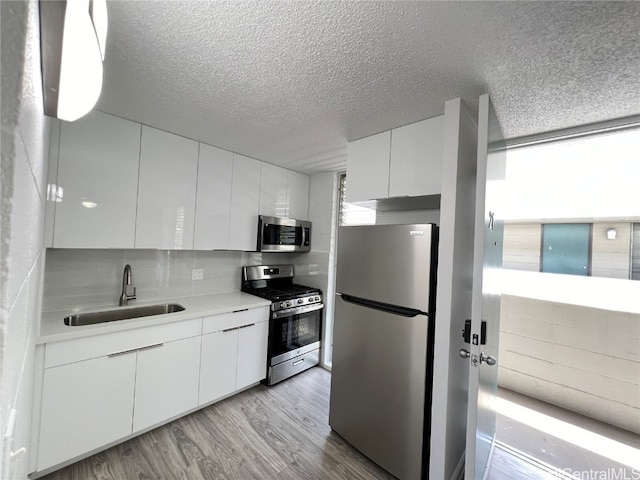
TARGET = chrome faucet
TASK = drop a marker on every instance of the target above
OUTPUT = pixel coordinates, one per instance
(126, 287)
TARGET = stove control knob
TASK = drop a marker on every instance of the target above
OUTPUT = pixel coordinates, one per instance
(289, 304)
(300, 301)
(283, 305)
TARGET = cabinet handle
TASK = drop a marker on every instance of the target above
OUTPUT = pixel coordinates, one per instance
(149, 347)
(297, 363)
(230, 329)
(125, 352)
(134, 350)
(241, 310)
(247, 326)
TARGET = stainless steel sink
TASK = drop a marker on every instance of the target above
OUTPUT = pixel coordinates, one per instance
(121, 314)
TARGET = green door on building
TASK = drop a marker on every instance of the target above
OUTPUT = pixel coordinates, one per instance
(566, 248)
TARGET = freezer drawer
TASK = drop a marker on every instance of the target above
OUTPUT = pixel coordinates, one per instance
(379, 386)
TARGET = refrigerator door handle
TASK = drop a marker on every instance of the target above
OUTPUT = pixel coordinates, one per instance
(385, 307)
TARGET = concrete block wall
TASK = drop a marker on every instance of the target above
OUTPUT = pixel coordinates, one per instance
(583, 359)
(522, 246)
(611, 258)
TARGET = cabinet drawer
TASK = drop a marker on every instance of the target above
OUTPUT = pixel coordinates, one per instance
(78, 349)
(224, 321)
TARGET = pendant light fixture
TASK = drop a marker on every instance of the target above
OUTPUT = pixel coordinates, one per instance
(73, 40)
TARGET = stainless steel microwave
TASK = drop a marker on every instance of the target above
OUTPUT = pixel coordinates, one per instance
(283, 234)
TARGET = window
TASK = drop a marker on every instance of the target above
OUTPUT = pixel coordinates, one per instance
(350, 213)
(566, 248)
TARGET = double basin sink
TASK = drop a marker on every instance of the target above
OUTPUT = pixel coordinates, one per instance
(121, 314)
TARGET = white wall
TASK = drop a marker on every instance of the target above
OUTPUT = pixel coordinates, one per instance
(23, 187)
(407, 217)
(587, 177)
(317, 268)
(453, 302)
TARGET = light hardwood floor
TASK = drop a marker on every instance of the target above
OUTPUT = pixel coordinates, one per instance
(278, 432)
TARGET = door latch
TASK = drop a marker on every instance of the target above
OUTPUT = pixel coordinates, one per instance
(474, 360)
(466, 333)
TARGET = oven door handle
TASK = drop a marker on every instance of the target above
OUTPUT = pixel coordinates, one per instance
(297, 310)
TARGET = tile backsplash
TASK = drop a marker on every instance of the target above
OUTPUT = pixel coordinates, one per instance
(82, 278)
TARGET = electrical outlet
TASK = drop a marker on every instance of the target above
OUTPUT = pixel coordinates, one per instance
(197, 274)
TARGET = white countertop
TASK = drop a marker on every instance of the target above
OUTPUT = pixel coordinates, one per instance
(53, 329)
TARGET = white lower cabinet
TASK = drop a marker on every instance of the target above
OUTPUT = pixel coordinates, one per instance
(234, 352)
(102, 389)
(98, 390)
(85, 405)
(167, 377)
(252, 354)
(219, 362)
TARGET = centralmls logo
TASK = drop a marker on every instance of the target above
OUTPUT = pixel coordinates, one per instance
(619, 473)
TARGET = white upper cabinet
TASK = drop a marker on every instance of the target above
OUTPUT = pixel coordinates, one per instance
(297, 195)
(283, 193)
(273, 191)
(166, 191)
(368, 167)
(213, 202)
(402, 162)
(416, 158)
(245, 203)
(98, 183)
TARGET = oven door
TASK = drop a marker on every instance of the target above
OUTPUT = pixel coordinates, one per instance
(283, 235)
(294, 332)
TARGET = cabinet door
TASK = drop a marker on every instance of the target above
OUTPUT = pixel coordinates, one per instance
(218, 365)
(245, 201)
(298, 195)
(166, 191)
(273, 191)
(85, 405)
(213, 202)
(252, 354)
(368, 168)
(167, 379)
(98, 180)
(416, 158)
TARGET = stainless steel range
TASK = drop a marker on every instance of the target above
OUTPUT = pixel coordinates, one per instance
(295, 322)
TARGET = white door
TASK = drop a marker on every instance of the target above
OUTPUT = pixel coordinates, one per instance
(485, 302)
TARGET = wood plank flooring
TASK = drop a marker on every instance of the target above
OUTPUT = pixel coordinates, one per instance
(278, 432)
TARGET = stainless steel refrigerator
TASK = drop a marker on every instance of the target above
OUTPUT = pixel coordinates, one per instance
(382, 368)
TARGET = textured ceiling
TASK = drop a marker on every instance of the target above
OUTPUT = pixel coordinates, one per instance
(290, 82)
